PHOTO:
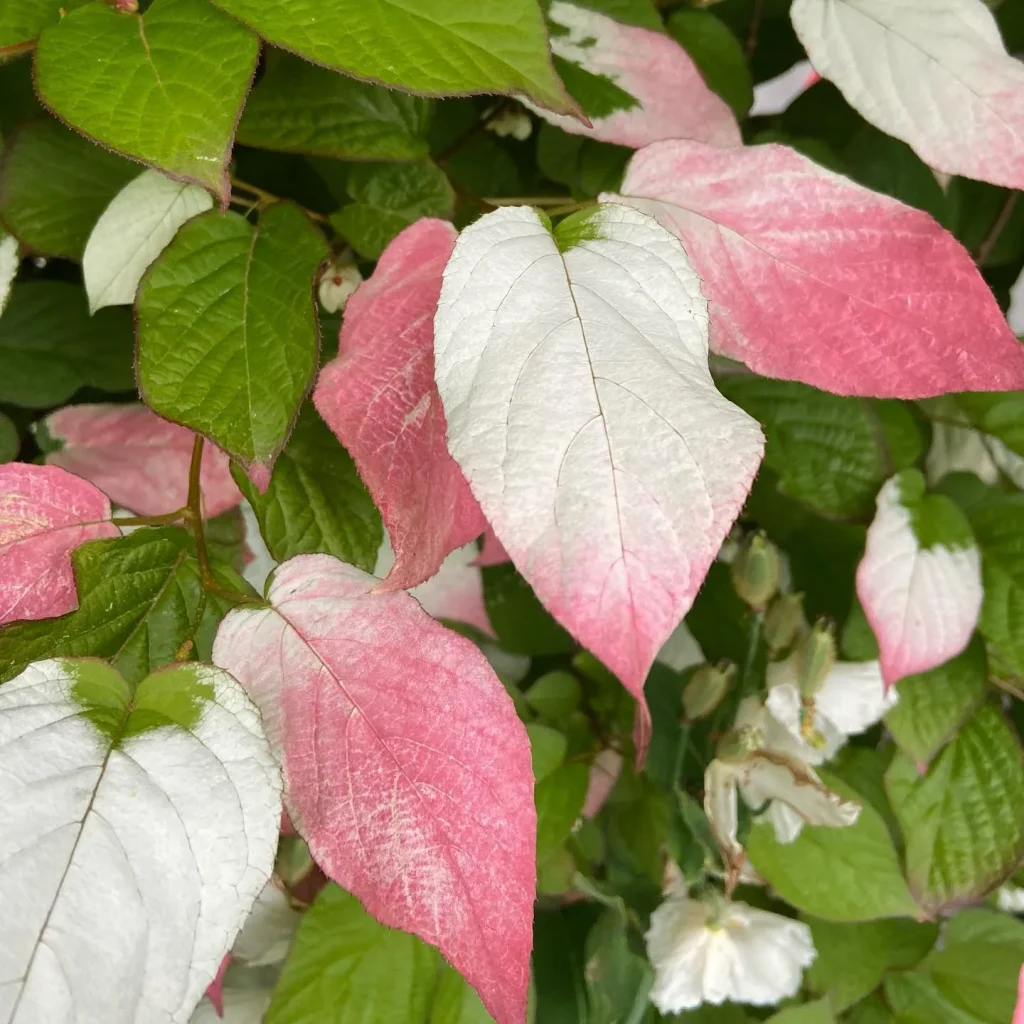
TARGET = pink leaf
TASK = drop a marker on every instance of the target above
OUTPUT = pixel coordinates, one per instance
(406, 769)
(1018, 1013)
(45, 514)
(215, 990)
(140, 460)
(380, 399)
(810, 277)
(493, 552)
(672, 99)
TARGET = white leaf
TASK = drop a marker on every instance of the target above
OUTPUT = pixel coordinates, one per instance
(934, 73)
(136, 830)
(133, 230)
(9, 260)
(268, 931)
(573, 371)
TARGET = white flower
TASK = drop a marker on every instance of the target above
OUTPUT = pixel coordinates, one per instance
(1011, 899)
(852, 699)
(707, 952)
(337, 285)
(516, 123)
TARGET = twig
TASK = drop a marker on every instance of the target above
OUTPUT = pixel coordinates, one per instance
(988, 243)
(165, 519)
(265, 198)
(755, 27)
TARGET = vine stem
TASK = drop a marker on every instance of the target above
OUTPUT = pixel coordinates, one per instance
(988, 243)
(165, 519)
(530, 201)
(752, 646)
(264, 198)
(755, 28)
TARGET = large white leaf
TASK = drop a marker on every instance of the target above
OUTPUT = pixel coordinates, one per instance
(933, 73)
(133, 230)
(573, 371)
(136, 830)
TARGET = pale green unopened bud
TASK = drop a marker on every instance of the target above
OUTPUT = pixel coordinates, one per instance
(706, 688)
(815, 657)
(783, 621)
(756, 571)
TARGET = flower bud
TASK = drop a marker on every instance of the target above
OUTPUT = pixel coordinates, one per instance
(706, 688)
(337, 284)
(815, 657)
(783, 621)
(756, 571)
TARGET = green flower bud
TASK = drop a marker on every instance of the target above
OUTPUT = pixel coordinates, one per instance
(783, 621)
(815, 657)
(756, 571)
(706, 688)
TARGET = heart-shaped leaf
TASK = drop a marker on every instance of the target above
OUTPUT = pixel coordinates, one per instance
(380, 398)
(573, 371)
(21, 21)
(228, 335)
(406, 769)
(165, 87)
(45, 514)
(875, 306)
(154, 826)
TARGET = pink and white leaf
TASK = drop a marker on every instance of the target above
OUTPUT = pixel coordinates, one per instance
(493, 551)
(672, 99)
(936, 75)
(138, 459)
(45, 513)
(573, 371)
(811, 277)
(922, 601)
(380, 399)
(406, 769)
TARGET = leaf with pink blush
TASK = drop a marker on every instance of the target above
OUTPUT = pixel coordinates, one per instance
(138, 459)
(637, 86)
(406, 768)
(380, 399)
(919, 581)
(45, 514)
(811, 277)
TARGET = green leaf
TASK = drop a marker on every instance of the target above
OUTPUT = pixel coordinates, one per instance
(961, 819)
(767, 24)
(141, 605)
(872, 1010)
(54, 185)
(974, 207)
(165, 87)
(934, 705)
(555, 695)
(548, 748)
(315, 501)
(50, 346)
(21, 21)
(456, 1002)
(345, 966)
(809, 1013)
(998, 413)
(588, 167)
(979, 978)
(839, 874)
(718, 55)
(853, 958)
(598, 95)
(558, 942)
(618, 979)
(999, 529)
(300, 108)
(10, 442)
(18, 100)
(225, 538)
(559, 799)
(228, 335)
(432, 47)
(935, 519)
(522, 624)
(718, 619)
(641, 13)
(915, 999)
(664, 692)
(829, 451)
(388, 198)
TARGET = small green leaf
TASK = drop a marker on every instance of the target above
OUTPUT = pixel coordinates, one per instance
(300, 108)
(618, 979)
(522, 624)
(809, 1013)
(853, 958)
(54, 185)
(559, 800)
(718, 54)
(315, 501)
(228, 335)
(961, 819)
(10, 442)
(933, 705)
(434, 47)
(165, 87)
(225, 538)
(346, 966)
(548, 748)
(388, 198)
(997, 413)
(935, 519)
(141, 605)
(555, 695)
(839, 874)
(50, 346)
(21, 21)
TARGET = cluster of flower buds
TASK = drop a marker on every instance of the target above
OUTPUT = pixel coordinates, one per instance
(756, 571)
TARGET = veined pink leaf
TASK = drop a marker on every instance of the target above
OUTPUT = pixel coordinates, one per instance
(493, 551)
(380, 399)
(811, 277)
(406, 769)
(573, 370)
(672, 99)
(935, 75)
(920, 579)
(45, 514)
(138, 459)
